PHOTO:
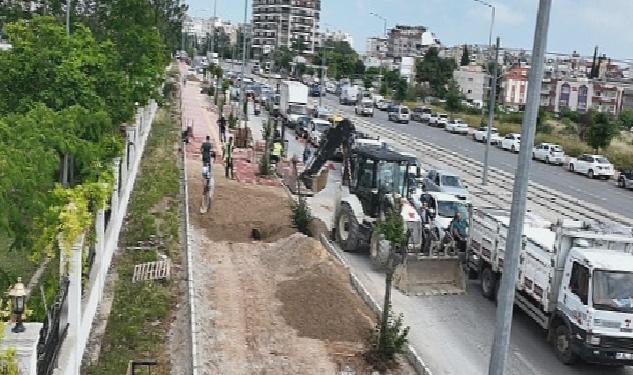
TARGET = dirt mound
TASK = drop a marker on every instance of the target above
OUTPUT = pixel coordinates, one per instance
(293, 254)
(320, 305)
(239, 208)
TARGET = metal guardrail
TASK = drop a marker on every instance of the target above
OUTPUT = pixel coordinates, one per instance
(53, 332)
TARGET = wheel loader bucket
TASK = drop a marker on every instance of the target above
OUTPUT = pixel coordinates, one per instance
(430, 276)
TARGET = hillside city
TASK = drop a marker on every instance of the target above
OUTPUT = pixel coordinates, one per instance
(184, 191)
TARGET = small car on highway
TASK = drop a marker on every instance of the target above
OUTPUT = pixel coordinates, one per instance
(625, 180)
(432, 119)
(457, 126)
(399, 113)
(592, 166)
(420, 114)
(446, 182)
(549, 153)
(383, 105)
(511, 142)
(482, 132)
(442, 120)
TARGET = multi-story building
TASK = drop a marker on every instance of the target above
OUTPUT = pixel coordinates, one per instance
(627, 98)
(471, 80)
(201, 28)
(376, 47)
(338, 36)
(514, 87)
(583, 94)
(410, 41)
(290, 23)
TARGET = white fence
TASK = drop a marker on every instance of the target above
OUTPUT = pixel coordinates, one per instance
(82, 305)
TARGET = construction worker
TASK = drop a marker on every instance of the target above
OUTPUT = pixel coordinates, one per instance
(459, 231)
(206, 149)
(276, 154)
(227, 153)
(222, 128)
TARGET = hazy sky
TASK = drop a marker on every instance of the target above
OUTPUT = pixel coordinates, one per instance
(574, 25)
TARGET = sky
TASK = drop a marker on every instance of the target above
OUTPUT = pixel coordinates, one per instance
(577, 25)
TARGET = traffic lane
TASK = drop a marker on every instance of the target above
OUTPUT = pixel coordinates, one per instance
(453, 334)
(602, 193)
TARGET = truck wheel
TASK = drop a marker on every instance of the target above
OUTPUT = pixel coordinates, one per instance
(488, 283)
(621, 183)
(347, 229)
(562, 344)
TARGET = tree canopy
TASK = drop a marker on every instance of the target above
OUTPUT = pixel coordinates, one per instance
(435, 70)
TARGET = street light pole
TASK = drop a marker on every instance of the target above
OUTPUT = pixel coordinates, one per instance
(491, 109)
(68, 17)
(491, 114)
(384, 20)
(242, 85)
(505, 300)
(215, 8)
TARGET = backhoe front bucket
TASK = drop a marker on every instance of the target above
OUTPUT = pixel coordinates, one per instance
(430, 275)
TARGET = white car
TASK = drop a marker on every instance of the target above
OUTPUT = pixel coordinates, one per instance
(318, 128)
(457, 126)
(480, 135)
(549, 153)
(399, 114)
(442, 120)
(511, 142)
(432, 119)
(592, 166)
(364, 108)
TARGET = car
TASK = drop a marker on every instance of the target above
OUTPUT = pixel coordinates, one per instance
(302, 127)
(625, 180)
(592, 166)
(457, 126)
(432, 118)
(383, 105)
(446, 182)
(511, 142)
(364, 107)
(399, 113)
(317, 130)
(549, 153)
(442, 120)
(315, 90)
(481, 134)
(416, 114)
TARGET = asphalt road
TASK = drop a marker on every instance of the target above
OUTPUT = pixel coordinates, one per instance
(603, 193)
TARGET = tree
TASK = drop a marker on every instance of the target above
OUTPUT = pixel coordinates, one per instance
(453, 98)
(626, 119)
(602, 131)
(435, 70)
(465, 57)
(342, 60)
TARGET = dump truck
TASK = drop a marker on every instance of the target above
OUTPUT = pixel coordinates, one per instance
(375, 180)
(293, 101)
(575, 280)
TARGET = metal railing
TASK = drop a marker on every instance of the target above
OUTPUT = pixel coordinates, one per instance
(53, 332)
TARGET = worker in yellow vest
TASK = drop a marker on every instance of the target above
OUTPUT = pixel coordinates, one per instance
(275, 157)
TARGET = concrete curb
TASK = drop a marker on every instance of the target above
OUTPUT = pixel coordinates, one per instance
(412, 356)
(190, 286)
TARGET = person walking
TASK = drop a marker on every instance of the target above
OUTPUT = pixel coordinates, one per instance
(459, 231)
(206, 149)
(228, 158)
(222, 126)
(306, 154)
(277, 151)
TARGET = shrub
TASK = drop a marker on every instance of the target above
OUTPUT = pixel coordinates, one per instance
(620, 158)
(395, 340)
(302, 217)
(507, 128)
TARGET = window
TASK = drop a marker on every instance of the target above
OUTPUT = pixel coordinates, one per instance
(579, 282)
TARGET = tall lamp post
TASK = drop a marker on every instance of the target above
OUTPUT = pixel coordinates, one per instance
(384, 20)
(491, 109)
(323, 68)
(242, 85)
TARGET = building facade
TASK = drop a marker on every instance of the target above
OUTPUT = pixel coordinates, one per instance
(338, 36)
(290, 23)
(376, 47)
(471, 80)
(404, 41)
(514, 87)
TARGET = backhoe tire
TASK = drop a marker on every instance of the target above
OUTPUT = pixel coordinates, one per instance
(488, 283)
(347, 229)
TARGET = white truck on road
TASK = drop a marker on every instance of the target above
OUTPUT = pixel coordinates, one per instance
(293, 101)
(364, 107)
(349, 95)
(575, 280)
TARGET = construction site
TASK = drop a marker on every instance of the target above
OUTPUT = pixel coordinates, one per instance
(268, 299)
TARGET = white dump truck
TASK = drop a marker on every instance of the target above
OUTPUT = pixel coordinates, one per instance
(349, 95)
(575, 280)
(293, 101)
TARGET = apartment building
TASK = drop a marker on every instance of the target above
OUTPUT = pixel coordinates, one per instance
(471, 80)
(514, 87)
(376, 47)
(338, 36)
(290, 23)
(403, 41)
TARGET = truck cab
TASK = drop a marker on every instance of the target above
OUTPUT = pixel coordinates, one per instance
(595, 302)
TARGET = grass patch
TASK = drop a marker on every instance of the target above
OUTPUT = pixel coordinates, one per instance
(142, 312)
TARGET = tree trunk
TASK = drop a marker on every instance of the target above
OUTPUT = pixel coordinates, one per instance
(387, 304)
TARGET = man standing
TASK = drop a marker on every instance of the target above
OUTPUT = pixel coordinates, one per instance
(306, 154)
(222, 126)
(228, 158)
(206, 149)
(459, 231)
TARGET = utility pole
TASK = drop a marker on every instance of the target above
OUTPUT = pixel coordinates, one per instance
(505, 300)
(215, 7)
(242, 85)
(68, 17)
(491, 114)
(384, 20)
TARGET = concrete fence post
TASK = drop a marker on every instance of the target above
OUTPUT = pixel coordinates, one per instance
(114, 202)
(98, 266)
